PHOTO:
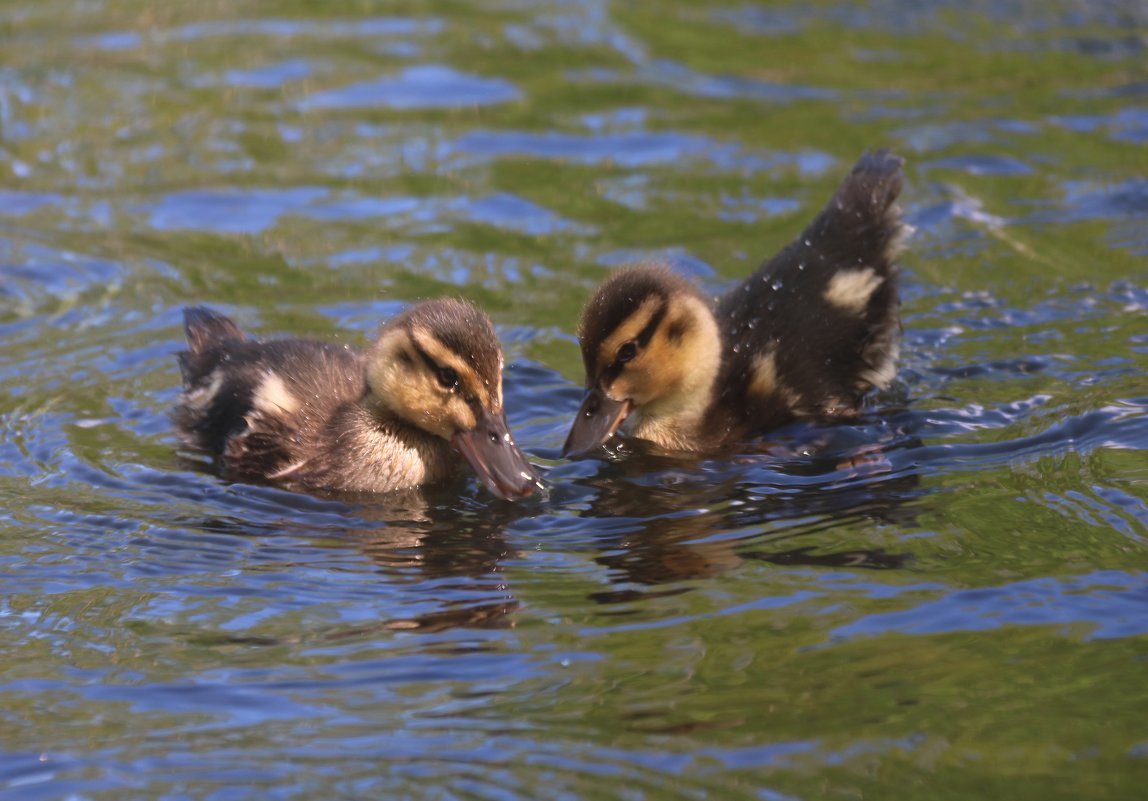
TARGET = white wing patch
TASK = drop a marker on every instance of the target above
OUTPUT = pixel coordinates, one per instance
(272, 397)
(764, 381)
(851, 289)
(288, 470)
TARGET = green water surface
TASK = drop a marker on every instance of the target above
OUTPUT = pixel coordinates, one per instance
(647, 631)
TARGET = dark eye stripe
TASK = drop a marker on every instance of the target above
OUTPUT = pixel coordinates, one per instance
(647, 333)
(614, 369)
(436, 368)
(447, 377)
(427, 360)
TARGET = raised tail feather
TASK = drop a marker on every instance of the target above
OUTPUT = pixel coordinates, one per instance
(864, 209)
(877, 175)
(826, 306)
(206, 330)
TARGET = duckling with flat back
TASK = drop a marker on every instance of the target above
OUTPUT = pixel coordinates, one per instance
(320, 416)
(806, 336)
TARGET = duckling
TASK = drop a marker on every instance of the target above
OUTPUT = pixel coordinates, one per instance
(319, 416)
(805, 336)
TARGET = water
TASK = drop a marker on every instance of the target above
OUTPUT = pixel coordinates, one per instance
(961, 613)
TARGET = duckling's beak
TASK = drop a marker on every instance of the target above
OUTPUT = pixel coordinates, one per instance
(491, 451)
(598, 418)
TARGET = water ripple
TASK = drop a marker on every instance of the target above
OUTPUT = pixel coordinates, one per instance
(377, 27)
(1106, 604)
(834, 610)
(626, 149)
(421, 87)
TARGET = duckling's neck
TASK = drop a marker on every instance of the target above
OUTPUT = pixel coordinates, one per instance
(382, 452)
(675, 420)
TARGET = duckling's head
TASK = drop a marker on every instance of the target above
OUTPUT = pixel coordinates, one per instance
(651, 348)
(438, 367)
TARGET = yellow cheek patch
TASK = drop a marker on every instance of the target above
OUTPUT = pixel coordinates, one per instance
(419, 401)
(630, 328)
(461, 414)
(679, 362)
(498, 385)
(469, 381)
(648, 376)
(406, 386)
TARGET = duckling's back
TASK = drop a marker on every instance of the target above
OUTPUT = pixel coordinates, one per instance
(816, 326)
(258, 403)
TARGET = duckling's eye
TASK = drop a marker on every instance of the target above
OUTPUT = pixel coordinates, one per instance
(627, 352)
(448, 378)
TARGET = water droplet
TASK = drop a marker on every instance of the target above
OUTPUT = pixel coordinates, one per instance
(808, 244)
(801, 266)
(752, 324)
(776, 285)
(736, 348)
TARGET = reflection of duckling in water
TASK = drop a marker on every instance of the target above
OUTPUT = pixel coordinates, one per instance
(805, 337)
(320, 416)
(454, 555)
(437, 564)
(671, 528)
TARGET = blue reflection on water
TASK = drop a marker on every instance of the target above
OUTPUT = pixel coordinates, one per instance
(419, 87)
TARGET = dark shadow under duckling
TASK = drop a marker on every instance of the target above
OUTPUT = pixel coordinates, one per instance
(806, 336)
(320, 416)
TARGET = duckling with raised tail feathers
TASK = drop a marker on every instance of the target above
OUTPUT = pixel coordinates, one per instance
(320, 416)
(806, 336)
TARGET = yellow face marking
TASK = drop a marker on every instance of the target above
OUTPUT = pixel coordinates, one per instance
(629, 329)
(851, 289)
(403, 383)
(673, 374)
(467, 377)
(672, 382)
(498, 384)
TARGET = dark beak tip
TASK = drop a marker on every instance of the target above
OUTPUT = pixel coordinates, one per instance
(571, 452)
(511, 488)
(597, 420)
(513, 491)
(525, 491)
(497, 461)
